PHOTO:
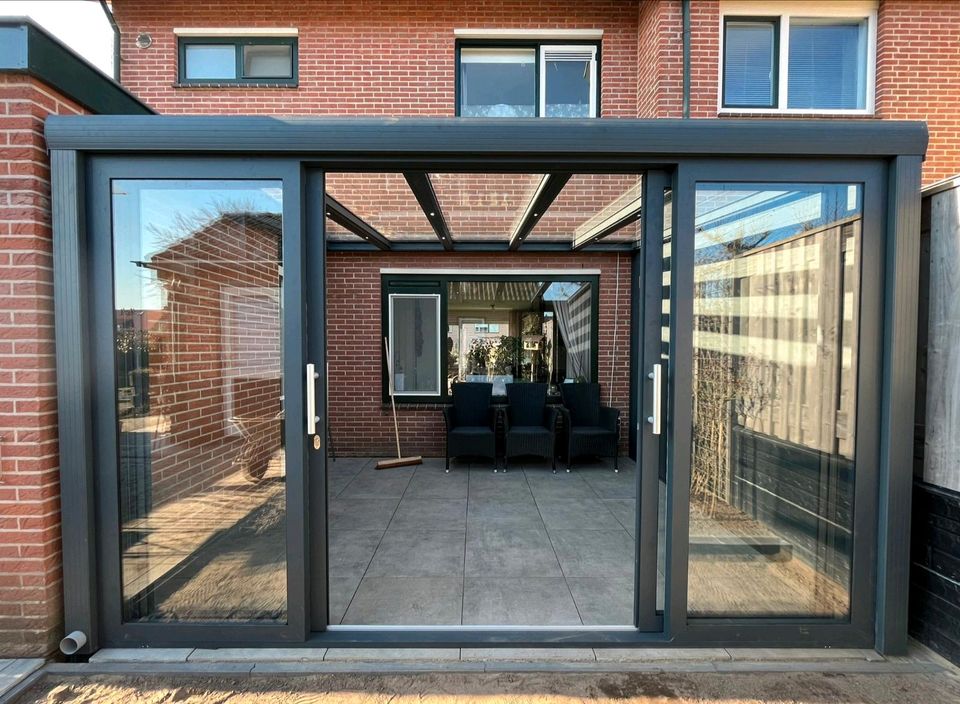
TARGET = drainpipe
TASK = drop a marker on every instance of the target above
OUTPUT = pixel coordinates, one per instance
(72, 642)
(686, 58)
(116, 39)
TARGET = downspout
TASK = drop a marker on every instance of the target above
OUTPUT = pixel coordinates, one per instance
(686, 58)
(116, 39)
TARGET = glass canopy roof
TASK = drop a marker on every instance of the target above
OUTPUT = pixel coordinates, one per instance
(502, 209)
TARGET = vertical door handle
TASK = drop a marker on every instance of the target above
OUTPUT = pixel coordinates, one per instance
(312, 417)
(656, 375)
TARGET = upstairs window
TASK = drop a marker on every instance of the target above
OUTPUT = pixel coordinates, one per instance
(238, 60)
(799, 63)
(527, 80)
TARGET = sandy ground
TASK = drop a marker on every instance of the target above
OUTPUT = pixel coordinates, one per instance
(506, 688)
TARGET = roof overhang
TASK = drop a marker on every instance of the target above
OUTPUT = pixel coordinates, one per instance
(515, 143)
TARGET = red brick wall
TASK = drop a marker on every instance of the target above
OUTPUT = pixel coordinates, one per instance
(359, 420)
(30, 575)
(376, 57)
(918, 75)
(660, 59)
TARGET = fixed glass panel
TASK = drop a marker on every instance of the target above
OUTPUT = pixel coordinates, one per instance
(749, 63)
(198, 283)
(483, 206)
(828, 64)
(776, 305)
(589, 204)
(210, 61)
(267, 61)
(568, 81)
(415, 344)
(498, 82)
(519, 330)
(664, 470)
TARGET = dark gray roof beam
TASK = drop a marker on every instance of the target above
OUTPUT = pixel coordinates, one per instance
(549, 188)
(422, 187)
(352, 222)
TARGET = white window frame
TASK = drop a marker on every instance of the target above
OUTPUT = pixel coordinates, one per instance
(542, 52)
(440, 336)
(785, 11)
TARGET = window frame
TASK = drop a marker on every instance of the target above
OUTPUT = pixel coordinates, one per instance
(538, 45)
(238, 42)
(438, 304)
(775, 78)
(421, 283)
(784, 12)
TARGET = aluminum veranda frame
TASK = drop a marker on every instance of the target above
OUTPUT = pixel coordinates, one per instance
(885, 156)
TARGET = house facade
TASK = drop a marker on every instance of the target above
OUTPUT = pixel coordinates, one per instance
(528, 255)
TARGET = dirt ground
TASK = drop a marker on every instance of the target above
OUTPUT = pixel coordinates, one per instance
(505, 688)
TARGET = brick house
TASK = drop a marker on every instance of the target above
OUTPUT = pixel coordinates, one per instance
(715, 62)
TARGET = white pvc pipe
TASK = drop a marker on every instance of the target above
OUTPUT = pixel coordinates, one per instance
(72, 642)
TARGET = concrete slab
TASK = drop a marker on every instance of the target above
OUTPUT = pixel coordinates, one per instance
(662, 655)
(803, 654)
(527, 655)
(16, 670)
(392, 654)
(258, 655)
(145, 655)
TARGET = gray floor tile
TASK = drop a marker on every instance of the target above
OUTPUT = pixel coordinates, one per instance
(559, 486)
(350, 551)
(361, 514)
(433, 483)
(589, 553)
(518, 601)
(625, 511)
(418, 553)
(642, 654)
(603, 601)
(430, 514)
(341, 591)
(510, 552)
(254, 655)
(576, 514)
(406, 601)
(498, 513)
(509, 486)
(141, 655)
(609, 485)
(378, 484)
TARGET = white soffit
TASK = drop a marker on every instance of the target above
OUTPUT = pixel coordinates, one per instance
(235, 31)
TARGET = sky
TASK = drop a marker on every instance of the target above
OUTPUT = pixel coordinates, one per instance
(80, 24)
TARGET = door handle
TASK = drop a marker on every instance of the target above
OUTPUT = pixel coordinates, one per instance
(656, 375)
(312, 417)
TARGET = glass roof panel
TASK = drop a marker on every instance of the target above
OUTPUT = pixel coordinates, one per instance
(483, 206)
(586, 202)
(383, 200)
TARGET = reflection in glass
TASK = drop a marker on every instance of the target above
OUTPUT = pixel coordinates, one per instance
(567, 85)
(267, 61)
(415, 343)
(774, 379)
(197, 290)
(509, 331)
(664, 469)
(498, 82)
(828, 64)
(211, 61)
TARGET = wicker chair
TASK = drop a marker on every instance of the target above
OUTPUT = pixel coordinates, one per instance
(592, 429)
(529, 425)
(471, 422)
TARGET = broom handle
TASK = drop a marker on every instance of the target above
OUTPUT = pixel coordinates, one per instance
(393, 404)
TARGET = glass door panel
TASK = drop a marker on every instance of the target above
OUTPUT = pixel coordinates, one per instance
(775, 303)
(198, 280)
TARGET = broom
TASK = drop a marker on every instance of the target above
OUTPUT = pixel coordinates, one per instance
(401, 461)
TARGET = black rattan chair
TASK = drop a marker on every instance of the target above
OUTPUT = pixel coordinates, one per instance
(471, 423)
(592, 429)
(529, 425)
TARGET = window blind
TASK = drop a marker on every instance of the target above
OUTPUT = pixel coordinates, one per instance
(827, 65)
(749, 64)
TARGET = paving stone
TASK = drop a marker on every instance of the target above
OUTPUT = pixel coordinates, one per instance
(527, 654)
(661, 655)
(257, 655)
(141, 655)
(392, 654)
